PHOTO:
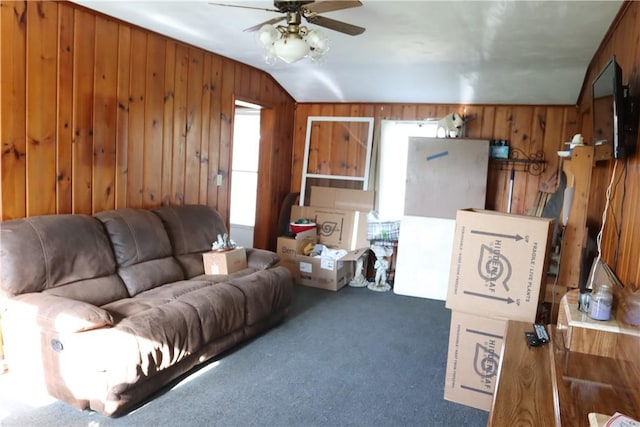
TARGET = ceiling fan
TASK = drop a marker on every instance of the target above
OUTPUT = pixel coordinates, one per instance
(293, 41)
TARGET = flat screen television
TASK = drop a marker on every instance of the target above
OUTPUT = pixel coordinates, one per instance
(614, 112)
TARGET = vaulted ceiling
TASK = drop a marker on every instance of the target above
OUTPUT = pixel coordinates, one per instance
(479, 52)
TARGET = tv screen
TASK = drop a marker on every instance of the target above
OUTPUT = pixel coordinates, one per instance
(608, 102)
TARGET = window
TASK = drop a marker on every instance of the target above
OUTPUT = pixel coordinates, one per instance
(392, 170)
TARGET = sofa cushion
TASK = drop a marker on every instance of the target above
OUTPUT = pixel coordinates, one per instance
(98, 291)
(165, 334)
(145, 300)
(57, 249)
(57, 313)
(266, 292)
(220, 307)
(142, 249)
(192, 229)
(175, 320)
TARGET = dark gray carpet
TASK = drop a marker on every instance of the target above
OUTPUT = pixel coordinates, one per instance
(348, 358)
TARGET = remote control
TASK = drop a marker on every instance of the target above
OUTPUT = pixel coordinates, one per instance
(541, 332)
(532, 340)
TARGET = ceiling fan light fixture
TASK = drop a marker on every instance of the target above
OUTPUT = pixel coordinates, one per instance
(318, 42)
(291, 48)
(267, 35)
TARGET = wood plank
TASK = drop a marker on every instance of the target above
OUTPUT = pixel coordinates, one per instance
(83, 74)
(194, 127)
(523, 395)
(266, 176)
(535, 146)
(321, 142)
(137, 93)
(552, 127)
(299, 147)
(520, 138)
(497, 191)
(13, 68)
(226, 130)
(105, 111)
(154, 120)
(205, 138)
(122, 115)
(409, 111)
(41, 95)
(488, 123)
(180, 125)
(168, 121)
(215, 86)
(64, 158)
(342, 135)
(473, 123)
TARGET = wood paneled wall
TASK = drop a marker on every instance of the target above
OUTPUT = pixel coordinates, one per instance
(621, 236)
(97, 114)
(528, 128)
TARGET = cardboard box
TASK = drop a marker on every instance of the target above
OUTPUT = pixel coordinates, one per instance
(499, 264)
(475, 345)
(225, 262)
(341, 198)
(294, 246)
(336, 228)
(317, 272)
(341, 216)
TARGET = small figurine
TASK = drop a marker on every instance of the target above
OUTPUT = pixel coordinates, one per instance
(380, 284)
(359, 281)
(452, 124)
(381, 265)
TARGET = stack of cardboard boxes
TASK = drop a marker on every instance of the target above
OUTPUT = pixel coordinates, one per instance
(497, 274)
(341, 218)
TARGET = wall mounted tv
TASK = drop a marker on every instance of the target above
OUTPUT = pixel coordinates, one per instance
(615, 112)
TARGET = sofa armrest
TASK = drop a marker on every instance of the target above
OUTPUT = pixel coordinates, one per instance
(261, 259)
(57, 313)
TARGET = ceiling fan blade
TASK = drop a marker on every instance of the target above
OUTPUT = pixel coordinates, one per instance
(330, 5)
(332, 24)
(243, 7)
(271, 21)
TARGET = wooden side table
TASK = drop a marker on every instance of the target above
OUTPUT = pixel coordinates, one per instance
(551, 385)
(601, 338)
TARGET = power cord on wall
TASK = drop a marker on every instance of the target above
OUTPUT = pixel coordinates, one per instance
(604, 221)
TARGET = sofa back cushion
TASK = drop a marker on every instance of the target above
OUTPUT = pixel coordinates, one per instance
(142, 249)
(56, 253)
(192, 229)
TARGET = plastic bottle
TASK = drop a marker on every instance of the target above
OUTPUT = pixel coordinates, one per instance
(601, 303)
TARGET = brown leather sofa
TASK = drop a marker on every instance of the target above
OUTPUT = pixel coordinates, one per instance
(105, 310)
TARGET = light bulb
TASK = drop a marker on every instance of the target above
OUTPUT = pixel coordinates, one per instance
(291, 48)
(267, 35)
(318, 41)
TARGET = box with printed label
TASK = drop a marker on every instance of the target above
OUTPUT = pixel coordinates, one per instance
(336, 227)
(499, 264)
(341, 216)
(224, 262)
(475, 345)
(324, 273)
(294, 246)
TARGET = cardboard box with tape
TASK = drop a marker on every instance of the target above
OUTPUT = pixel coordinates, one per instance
(499, 264)
(475, 344)
(341, 216)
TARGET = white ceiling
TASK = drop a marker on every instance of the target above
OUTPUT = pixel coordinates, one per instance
(493, 52)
